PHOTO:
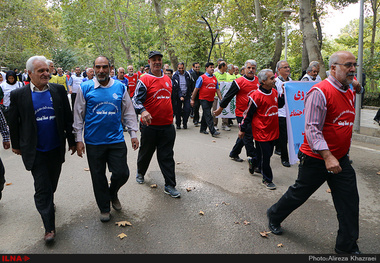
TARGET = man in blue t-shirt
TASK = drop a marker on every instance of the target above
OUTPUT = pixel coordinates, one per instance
(101, 109)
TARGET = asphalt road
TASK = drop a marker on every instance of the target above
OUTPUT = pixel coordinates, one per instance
(233, 201)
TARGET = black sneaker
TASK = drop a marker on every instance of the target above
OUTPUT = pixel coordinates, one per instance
(250, 165)
(269, 185)
(215, 134)
(170, 190)
(140, 178)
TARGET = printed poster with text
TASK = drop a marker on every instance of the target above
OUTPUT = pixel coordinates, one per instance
(295, 93)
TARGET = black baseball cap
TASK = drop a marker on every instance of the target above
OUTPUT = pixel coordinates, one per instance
(154, 53)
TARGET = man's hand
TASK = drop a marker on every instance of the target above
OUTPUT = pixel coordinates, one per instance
(16, 151)
(80, 149)
(241, 134)
(73, 149)
(135, 143)
(146, 118)
(332, 164)
(192, 103)
(6, 145)
(356, 85)
(218, 111)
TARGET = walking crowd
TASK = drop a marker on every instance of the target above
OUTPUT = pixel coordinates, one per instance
(106, 103)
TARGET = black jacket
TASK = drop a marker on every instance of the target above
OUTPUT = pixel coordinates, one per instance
(177, 92)
(23, 126)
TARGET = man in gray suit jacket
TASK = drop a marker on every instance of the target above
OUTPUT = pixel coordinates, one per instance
(40, 121)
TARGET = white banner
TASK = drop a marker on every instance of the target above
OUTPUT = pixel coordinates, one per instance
(229, 111)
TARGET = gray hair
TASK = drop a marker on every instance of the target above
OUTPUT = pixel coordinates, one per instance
(279, 64)
(263, 75)
(334, 59)
(309, 69)
(250, 61)
(314, 64)
(230, 66)
(29, 64)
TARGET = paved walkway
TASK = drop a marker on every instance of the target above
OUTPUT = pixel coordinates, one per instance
(369, 129)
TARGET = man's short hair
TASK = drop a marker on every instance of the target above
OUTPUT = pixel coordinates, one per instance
(209, 64)
(250, 61)
(29, 64)
(263, 75)
(279, 64)
(221, 65)
(109, 61)
(195, 63)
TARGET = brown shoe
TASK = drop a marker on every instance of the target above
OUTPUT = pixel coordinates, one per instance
(105, 217)
(49, 236)
(116, 204)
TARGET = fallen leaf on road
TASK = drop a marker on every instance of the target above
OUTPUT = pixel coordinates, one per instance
(224, 203)
(153, 186)
(123, 223)
(265, 233)
(201, 213)
(122, 235)
(245, 222)
(190, 188)
(213, 141)
(280, 245)
(328, 191)
(86, 169)
(8, 184)
(378, 173)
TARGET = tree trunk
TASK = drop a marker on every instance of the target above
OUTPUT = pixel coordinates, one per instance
(310, 36)
(259, 19)
(278, 49)
(164, 40)
(375, 8)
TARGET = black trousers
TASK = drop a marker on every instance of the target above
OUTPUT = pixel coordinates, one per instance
(246, 142)
(207, 119)
(2, 175)
(312, 174)
(282, 142)
(264, 153)
(195, 109)
(182, 111)
(160, 138)
(46, 170)
(115, 156)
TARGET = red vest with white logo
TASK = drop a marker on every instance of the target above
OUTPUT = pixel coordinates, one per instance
(339, 122)
(208, 88)
(246, 87)
(265, 125)
(158, 98)
(132, 81)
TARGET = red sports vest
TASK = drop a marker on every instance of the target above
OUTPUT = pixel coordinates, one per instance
(246, 87)
(340, 117)
(158, 98)
(265, 120)
(132, 81)
(208, 88)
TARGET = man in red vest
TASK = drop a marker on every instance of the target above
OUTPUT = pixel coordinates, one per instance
(329, 118)
(207, 85)
(262, 118)
(153, 100)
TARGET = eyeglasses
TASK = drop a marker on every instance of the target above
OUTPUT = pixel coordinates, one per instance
(348, 64)
(286, 67)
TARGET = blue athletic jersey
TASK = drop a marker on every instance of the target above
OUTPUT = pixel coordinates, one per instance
(47, 131)
(103, 113)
